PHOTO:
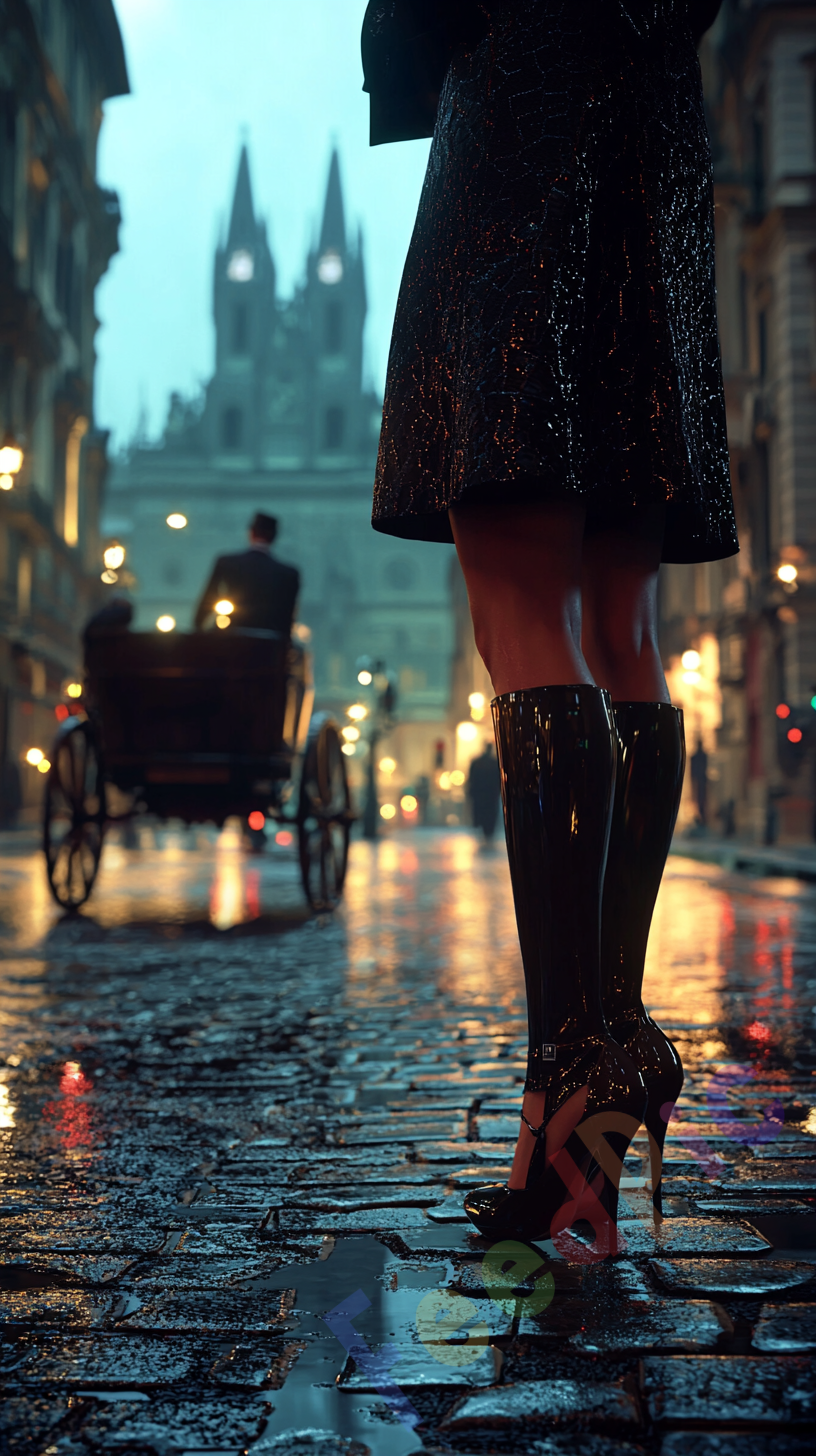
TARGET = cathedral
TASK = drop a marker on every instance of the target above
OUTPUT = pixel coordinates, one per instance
(286, 425)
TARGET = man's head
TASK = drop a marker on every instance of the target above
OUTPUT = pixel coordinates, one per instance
(263, 529)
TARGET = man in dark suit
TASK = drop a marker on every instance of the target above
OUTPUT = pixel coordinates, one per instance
(263, 590)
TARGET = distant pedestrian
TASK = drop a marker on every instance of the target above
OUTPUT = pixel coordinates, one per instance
(699, 782)
(483, 790)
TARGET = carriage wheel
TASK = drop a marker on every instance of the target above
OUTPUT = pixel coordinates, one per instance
(74, 814)
(324, 818)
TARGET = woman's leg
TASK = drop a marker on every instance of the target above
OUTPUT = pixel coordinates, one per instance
(619, 610)
(620, 640)
(522, 568)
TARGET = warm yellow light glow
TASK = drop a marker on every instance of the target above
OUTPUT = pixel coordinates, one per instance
(349, 749)
(165, 623)
(6, 482)
(357, 712)
(7, 1108)
(467, 732)
(11, 459)
(34, 756)
(114, 556)
(73, 446)
(73, 690)
(109, 577)
(476, 700)
(693, 678)
(691, 660)
(365, 678)
(222, 621)
(387, 765)
(225, 607)
(43, 766)
(387, 811)
(787, 571)
(409, 804)
(176, 521)
(350, 734)
(444, 782)
(457, 778)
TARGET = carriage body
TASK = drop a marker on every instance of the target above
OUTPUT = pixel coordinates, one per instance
(197, 726)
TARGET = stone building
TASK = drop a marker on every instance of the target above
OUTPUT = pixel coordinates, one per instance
(754, 633)
(59, 61)
(287, 425)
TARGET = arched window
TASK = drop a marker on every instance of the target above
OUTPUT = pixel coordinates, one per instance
(334, 427)
(334, 327)
(240, 329)
(232, 428)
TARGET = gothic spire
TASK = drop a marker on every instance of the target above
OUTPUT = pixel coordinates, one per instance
(242, 228)
(333, 230)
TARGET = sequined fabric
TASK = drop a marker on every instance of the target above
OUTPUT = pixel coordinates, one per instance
(555, 335)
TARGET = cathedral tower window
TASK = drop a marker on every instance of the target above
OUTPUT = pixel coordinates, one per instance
(334, 427)
(240, 329)
(334, 327)
(232, 428)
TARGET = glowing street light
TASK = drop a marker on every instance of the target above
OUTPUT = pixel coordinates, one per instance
(467, 732)
(350, 734)
(357, 712)
(73, 690)
(176, 521)
(165, 623)
(409, 804)
(114, 556)
(387, 765)
(365, 678)
(691, 660)
(349, 749)
(387, 811)
(457, 778)
(225, 608)
(477, 703)
(787, 572)
(35, 756)
(11, 461)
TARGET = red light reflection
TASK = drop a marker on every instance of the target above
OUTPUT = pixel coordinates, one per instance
(757, 1031)
(72, 1118)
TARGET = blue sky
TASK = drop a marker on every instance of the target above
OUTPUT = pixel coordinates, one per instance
(285, 73)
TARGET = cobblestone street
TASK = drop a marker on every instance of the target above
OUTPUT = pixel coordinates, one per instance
(236, 1138)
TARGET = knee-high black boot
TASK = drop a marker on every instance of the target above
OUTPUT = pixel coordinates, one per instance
(652, 756)
(557, 753)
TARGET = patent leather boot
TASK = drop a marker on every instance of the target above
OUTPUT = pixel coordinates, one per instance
(557, 755)
(649, 782)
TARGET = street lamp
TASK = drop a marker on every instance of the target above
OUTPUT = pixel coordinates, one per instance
(11, 461)
(380, 715)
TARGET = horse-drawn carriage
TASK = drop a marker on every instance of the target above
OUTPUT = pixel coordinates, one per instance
(196, 726)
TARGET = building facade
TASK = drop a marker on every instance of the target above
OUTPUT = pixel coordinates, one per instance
(286, 425)
(748, 698)
(59, 60)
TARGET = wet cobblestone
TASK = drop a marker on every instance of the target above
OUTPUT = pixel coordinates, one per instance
(211, 1138)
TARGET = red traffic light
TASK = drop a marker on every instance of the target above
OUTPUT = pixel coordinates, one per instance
(782, 710)
(794, 735)
(257, 820)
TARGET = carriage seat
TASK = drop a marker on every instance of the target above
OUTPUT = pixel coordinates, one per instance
(236, 694)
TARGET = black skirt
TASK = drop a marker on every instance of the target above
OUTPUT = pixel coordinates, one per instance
(556, 333)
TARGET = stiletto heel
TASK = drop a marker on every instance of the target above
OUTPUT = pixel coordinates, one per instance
(648, 785)
(557, 760)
